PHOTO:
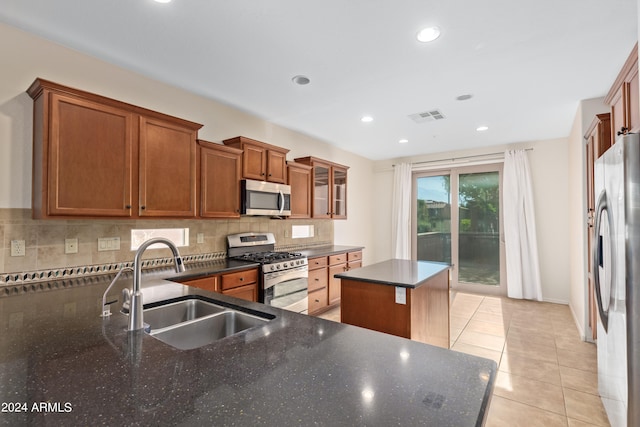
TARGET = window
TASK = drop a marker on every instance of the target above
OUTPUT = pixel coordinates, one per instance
(179, 237)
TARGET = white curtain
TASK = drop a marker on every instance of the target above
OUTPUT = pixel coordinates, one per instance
(401, 212)
(523, 270)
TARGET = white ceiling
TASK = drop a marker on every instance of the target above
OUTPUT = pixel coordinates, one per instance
(527, 63)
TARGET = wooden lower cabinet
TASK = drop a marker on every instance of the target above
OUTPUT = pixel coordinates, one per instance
(318, 285)
(209, 283)
(240, 284)
(424, 317)
(324, 289)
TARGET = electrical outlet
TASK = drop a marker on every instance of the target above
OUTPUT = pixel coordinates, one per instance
(200, 238)
(70, 246)
(18, 248)
(286, 232)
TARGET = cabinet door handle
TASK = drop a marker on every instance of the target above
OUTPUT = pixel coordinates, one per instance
(143, 207)
(128, 207)
(242, 279)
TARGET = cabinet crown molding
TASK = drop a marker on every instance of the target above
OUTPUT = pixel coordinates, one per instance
(39, 85)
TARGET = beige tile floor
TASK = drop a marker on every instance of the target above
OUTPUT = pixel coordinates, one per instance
(547, 376)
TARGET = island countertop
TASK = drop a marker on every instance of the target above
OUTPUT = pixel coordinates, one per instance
(62, 364)
(396, 272)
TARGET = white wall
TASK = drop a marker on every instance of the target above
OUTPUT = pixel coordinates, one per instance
(550, 178)
(26, 56)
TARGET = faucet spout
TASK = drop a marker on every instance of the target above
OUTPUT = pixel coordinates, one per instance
(136, 321)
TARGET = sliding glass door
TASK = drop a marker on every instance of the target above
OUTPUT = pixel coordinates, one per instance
(458, 220)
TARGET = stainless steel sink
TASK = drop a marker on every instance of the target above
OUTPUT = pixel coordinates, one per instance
(198, 333)
(194, 322)
(178, 312)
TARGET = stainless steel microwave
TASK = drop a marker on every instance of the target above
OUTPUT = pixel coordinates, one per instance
(265, 198)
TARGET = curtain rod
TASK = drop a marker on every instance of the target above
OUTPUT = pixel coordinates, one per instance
(453, 159)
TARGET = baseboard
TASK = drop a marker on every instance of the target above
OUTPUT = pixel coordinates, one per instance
(581, 331)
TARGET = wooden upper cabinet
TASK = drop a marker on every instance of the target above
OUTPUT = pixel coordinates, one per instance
(84, 159)
(599, 134)
(299, 178)
(261, 161)
(167, 169)
(329, 189)
(623, 98)
(220, 168)
(98, 157)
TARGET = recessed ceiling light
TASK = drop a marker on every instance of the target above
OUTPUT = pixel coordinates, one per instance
(428, 34)
(464, 97)
(366, 119)
(162, 1)
(482, 128)
(301, 80)
(403, 141)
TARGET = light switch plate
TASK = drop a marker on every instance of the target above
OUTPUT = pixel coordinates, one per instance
(108, 244)
(70, 246)
(200, 238)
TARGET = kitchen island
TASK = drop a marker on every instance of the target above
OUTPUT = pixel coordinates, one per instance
(401, 297)
(62, 364)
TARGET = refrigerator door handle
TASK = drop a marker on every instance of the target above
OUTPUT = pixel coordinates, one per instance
(596, 256)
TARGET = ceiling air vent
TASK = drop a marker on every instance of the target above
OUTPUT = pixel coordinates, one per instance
(427, 116)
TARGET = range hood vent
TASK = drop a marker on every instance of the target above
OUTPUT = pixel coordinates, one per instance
(427, 116)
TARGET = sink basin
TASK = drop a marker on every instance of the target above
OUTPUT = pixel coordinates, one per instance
(178, 312)
(197, 333)
(195, 321)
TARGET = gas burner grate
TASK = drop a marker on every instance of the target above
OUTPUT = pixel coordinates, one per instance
(268, 257)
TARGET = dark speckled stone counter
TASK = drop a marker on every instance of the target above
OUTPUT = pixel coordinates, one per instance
(294, 370)
(396, 272)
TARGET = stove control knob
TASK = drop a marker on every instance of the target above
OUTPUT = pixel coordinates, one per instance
(278, 266)
(272, 268)
(285, 265)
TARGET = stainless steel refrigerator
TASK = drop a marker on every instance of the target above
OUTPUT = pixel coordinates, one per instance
(616, 254)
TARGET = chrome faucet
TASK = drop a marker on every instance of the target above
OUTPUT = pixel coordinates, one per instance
(135, 302)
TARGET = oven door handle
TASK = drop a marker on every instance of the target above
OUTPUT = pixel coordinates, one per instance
(272, 279)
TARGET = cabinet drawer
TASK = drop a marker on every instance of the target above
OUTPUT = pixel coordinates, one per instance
(337, 259)
(241, 278)
(209, 283)
(318, 300)
(318, 262)
(354, 256)
(354, 264)
(248, 292)
(317, 279)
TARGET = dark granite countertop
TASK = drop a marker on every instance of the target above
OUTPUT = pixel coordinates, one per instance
(329, 250)
(79, 369)
(396, 272)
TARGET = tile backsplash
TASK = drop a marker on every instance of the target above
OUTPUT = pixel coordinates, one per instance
(45, 239)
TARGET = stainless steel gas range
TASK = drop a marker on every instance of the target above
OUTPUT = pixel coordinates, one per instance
(284, 278)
